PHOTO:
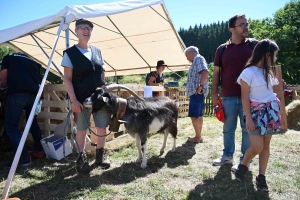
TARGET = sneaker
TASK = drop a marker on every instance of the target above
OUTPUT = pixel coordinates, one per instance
(261, 183)
(20, 164)
(235, 167)
(223, 160)
(241, 172)
(82, 164)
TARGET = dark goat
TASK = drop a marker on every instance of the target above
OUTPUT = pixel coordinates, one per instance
(142, 117)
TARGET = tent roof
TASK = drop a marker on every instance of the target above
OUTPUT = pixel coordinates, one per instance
(132, 36)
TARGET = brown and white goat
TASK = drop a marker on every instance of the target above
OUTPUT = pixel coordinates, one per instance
(142, 116)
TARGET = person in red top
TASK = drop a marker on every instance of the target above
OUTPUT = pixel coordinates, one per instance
(232, 62)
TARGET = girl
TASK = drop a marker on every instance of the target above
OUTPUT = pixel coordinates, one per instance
(261, 107)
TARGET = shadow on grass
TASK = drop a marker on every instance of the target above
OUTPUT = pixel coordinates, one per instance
(222, 186)
(63, 181)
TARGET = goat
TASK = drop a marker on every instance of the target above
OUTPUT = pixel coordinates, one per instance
(142, 116)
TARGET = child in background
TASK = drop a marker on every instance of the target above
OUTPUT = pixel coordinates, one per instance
(261, 107)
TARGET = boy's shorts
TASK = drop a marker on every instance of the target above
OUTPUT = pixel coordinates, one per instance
(196, 105)
(101, 118)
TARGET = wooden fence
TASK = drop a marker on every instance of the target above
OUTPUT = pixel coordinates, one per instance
(55, 107)
(184, 101)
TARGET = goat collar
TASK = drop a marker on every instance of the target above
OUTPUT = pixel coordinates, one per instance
(122, 103)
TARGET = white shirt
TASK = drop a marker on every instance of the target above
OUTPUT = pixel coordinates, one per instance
(255, 78)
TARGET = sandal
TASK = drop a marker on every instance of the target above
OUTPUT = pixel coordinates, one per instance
(194, 140)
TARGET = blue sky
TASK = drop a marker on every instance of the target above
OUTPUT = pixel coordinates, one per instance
(183, 12)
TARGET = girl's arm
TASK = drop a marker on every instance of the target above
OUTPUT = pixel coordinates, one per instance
(246, 105)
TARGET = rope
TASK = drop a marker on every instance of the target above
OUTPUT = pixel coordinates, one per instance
(73, 137)
(68, 123)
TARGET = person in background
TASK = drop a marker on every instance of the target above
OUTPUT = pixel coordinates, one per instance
(196, 90)
(261, 108)
(84, 71)
(157, 77)
(21, 74)
(237, 52)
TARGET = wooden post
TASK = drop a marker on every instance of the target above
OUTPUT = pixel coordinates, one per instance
(280, 94)
(47, 109)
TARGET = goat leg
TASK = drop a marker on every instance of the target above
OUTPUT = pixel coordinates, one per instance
(144, 161)
(174, 145)
(162, 150)
(139, 147)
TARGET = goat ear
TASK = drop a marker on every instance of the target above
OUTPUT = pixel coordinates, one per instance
(105, 99)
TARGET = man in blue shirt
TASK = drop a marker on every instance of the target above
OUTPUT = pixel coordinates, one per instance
(196, 90)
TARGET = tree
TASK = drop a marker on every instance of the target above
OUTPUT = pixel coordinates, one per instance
(287, 35)
(4, 51)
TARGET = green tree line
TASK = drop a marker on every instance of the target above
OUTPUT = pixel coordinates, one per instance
(284, 28)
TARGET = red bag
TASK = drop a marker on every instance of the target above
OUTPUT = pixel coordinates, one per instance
(219, 111)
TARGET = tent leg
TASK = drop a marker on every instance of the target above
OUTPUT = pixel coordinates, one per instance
(47, 55)
(30, 119)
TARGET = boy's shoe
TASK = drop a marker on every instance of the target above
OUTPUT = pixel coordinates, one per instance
(261, 183)
(235, 167)
(223, 160)
(82, 164)
(241, 172)
(20, 164)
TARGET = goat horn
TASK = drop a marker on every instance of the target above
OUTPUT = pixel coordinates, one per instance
(114, 86)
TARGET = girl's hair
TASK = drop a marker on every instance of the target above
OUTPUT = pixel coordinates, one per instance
(264, 51)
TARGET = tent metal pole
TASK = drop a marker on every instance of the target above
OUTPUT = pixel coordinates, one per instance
(30, 118)
(172, 25)
(32, 36)
(129, 42)
(67, 39)
(174, 72)
(67, 32)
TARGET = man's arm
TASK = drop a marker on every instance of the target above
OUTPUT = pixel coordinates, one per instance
(3, 78)
(204, 75)
(215, 84)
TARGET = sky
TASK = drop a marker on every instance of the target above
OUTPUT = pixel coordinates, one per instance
(184, 13)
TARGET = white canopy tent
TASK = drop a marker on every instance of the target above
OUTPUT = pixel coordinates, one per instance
(132, 35)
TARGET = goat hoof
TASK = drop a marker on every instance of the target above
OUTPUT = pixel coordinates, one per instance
(139, 160)
(143, 165)
(173, 150)
(161, 153)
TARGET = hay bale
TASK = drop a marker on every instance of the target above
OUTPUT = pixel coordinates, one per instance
(293, 115)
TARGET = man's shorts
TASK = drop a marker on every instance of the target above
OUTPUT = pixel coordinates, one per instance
(196, 105)
(101, 119)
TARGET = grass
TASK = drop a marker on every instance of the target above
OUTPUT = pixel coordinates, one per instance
(186, 173)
